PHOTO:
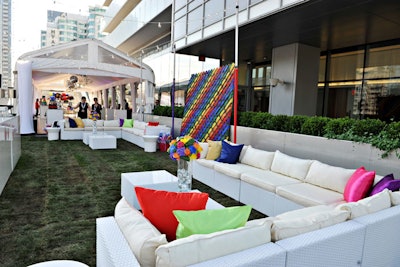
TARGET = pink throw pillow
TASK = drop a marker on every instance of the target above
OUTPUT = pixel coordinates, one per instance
(359, 185)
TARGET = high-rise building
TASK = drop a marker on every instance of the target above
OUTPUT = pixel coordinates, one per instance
(5, 67)
(65, 27)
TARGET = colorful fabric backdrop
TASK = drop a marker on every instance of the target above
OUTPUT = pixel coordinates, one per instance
(209, 104)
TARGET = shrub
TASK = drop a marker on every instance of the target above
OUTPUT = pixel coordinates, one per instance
(295, 123)
(368, 127)
(279, 123)
(314, 126)
(338, 126)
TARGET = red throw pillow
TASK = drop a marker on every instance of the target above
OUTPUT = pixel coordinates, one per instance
(157, 207)
(153, 123)
(359, 185)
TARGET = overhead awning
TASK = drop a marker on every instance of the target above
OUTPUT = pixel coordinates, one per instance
(95, 64)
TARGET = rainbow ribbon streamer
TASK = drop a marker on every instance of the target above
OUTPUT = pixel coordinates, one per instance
(209, 104)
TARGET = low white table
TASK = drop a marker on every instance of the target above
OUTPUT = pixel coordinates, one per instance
(102, 141)
(86, 135)
(59, 263)
(53, 133)
(159, 180)
(150, 143)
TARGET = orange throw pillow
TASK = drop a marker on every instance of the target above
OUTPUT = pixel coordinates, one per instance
(157, 207)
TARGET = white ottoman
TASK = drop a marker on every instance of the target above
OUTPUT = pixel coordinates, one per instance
(52, 133)
(102, 141)
(150, 143)
(160, 180)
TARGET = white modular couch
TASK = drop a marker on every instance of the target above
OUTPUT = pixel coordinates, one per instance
(350, 234)
(133, 135)
(310, 223)
(273, 182)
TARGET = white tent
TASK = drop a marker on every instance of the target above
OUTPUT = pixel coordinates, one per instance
(97, 65)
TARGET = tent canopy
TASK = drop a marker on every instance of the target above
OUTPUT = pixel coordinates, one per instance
(96, 65)
(87, 65)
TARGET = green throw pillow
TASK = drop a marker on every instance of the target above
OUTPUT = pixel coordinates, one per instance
(128, 123)
(210, 221)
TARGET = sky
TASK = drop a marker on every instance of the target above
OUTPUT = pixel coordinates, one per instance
(29, 17)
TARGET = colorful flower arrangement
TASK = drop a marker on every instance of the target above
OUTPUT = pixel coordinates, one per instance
(94, 115)
(164, 138)
(184, 147)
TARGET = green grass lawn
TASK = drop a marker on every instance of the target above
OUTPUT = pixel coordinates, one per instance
(58, 189)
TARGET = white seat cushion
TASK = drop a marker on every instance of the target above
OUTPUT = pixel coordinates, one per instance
(290, 166)
(267, 180)
(233, 170)
(329, 177)
(207, 163)
(309, 195)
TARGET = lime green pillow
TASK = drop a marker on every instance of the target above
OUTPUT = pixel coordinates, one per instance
(210, 221)
(128, 123)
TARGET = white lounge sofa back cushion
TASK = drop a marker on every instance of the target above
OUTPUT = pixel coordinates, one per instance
(367, 205)
(111, 123)
(139, 124)
(290, 166)
(329, 177)
(395, 198)
(143, 238)
(304, 220)
(197, 248)
(258, 158)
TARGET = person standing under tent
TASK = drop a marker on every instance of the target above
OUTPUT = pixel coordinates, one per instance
(83, 108)
(96, 106)
(37, 107)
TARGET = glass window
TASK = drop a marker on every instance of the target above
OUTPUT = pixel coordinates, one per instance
(261, 75)
(195, 19)
(383, 62)
(322, 68)
(180, 28)
(179, 4)
(214, 11)
(230, 8)
(194, 4)
(347, 66)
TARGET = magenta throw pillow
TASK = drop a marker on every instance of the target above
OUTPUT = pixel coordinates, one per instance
(382, 184)
(359, 185)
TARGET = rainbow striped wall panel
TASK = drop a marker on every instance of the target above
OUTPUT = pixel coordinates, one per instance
(209, 103)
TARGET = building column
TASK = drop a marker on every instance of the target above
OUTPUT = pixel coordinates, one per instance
(297, 65)
(134, 88)
(113, 98)
(122, 96)
(105, 98)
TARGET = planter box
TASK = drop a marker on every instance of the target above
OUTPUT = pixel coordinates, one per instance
(334, 152)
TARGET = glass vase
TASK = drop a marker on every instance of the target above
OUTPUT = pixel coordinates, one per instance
(184, 175)
(94, 127)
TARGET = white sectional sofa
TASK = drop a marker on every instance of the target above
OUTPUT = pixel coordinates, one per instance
(273, 182)
(310, 223)
(133, 135)
(316, 236)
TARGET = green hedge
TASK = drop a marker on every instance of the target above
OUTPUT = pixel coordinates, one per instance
(382, 135)
(167, 111)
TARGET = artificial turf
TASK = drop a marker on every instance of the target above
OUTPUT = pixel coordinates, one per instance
(49, 206)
